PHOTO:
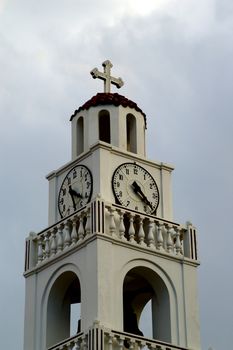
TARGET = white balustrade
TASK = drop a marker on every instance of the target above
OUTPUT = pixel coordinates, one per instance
(112, 340)
(77, 342)
(136, 342)
(144, 230)
(66, 234)
(119, 223)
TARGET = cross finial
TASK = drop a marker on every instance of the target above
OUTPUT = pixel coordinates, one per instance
(106, 77)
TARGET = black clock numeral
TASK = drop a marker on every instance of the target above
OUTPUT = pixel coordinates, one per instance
(120, 177)
(151, 186)
(86, 195)
(154, 195)
(85, 177)
(145, 208)
(74, 174)
(127, 171)
(88, 184)
(135, 171)
(127, 203)
(64, 207)
(69, 180)
(136, 208)
(64, 191)
(118, 184)
(120, 193)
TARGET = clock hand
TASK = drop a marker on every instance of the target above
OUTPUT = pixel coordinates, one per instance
(71, 192)
(137, 189)
(74, 193)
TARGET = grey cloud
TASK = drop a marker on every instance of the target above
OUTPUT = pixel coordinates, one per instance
(183, 83)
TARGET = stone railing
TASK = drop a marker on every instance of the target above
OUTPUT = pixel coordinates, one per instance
(99, 217)
(100, 338)
(74, 343)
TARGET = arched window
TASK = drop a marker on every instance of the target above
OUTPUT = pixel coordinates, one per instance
(80, 136)
(146, 300)
(131, 133)
(61, 313)
(104, 126)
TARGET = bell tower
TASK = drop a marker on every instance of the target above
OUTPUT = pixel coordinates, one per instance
(111, 246)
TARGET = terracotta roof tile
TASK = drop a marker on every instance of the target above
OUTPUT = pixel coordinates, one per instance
(108, 99)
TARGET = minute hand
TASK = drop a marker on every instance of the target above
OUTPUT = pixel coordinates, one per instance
(137, 189)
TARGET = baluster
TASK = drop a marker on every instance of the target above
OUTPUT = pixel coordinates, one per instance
(47, 247)
(159, 235)
(40, 250)
(84, 343)
(150, 237)
(169, 239)
(121, 344)
(131, 229)
(178, 243)
(88, 223)
(112, 225)
(141, 345)
(110, 341)
(68, 346)
(53, 242)
(74, 236)
(141, 233)
(80, 229)
(131, 344)
(60, 238)
(67, 239)
(77, 344)
(122, 227)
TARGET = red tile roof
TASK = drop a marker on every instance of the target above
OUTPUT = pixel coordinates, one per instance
(108, 99)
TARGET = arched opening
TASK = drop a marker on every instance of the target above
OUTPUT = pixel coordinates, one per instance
(80, 135)
(104, 126)
(63, 310)
(131, 133)
(146, 305)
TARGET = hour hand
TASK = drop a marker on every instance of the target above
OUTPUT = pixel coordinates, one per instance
(137, 189)
(74, 193)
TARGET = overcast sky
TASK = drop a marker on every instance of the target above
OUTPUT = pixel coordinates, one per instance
(176, 58)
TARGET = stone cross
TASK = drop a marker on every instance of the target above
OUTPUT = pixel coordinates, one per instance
(106, 77)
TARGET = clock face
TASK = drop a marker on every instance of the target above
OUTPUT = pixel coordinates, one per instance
(135, 188)
(75, 191)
